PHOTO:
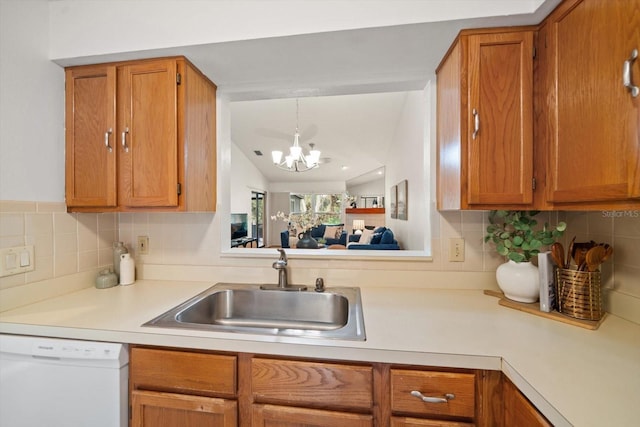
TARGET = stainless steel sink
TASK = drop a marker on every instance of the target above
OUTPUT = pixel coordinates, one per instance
(335, 313)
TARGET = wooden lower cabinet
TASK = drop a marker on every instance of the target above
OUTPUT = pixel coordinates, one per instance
(184, 388)
(286, 416)
(157, 409)
(518, 411)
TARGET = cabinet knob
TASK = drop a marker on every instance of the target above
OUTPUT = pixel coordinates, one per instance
(626, 74)
(447, 397)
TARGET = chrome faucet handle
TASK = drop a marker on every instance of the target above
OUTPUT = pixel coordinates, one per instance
(283, 256)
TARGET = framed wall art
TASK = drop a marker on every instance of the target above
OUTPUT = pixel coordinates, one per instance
(401, 200)
(393, 205)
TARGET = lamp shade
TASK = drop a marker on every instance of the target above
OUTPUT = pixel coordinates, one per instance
(358, 224)
(276, 156)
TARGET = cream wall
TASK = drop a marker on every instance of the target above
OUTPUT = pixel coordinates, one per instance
(31, 106)
(71, 247)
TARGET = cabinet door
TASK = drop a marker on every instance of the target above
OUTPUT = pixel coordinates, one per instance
(90, 136)
(500, 121)
(284, 416)
(154, 409)
(595, 141)
(518, 411)
(148, 133)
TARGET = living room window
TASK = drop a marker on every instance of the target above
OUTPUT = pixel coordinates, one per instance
(329, 207)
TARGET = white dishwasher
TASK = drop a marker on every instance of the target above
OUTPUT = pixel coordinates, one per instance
(62, 383)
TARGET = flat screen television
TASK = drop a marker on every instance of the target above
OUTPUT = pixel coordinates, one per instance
(239, 225)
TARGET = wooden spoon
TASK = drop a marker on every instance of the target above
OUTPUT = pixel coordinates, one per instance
(567, 261)
(557, 253)
(608, 251)
(594, 257)
(580, 257)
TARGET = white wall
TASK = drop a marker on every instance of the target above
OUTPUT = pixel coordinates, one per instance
(244, 178)
(410, 146)
(31, 106)
(370, 188)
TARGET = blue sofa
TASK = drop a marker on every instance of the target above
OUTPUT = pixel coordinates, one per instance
(382, 240)
(317, 233)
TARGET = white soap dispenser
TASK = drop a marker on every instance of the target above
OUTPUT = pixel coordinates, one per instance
(127, 270)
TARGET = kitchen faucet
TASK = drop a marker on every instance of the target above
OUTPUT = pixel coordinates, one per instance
(283, 285)
(281, 266)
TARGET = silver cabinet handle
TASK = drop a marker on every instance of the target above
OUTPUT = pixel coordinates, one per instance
(626, 74)
(107, 134)
(476, 123)
(447, 397)
(124, 139)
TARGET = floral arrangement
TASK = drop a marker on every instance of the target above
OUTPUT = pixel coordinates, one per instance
(303, 222)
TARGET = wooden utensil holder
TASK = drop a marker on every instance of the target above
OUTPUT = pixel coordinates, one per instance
(579, 293)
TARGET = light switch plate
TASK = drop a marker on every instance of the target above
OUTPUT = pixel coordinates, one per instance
(16, 260)
(143, 245)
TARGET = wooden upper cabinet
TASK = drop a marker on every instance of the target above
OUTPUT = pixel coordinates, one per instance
(151, 113)
(485, 121)
(148, 131)
(91, 136)
(588, 121)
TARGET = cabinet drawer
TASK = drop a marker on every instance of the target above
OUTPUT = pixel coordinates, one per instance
(433, 384)
(183, 372)
(312, 384)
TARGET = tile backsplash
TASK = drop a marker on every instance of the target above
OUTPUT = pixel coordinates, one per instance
(72, 243)
(64, 243)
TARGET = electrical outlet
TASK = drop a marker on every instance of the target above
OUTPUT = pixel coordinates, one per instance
(456, 250)
(143, 245)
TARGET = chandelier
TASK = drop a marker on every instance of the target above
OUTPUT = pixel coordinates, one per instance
(296, 160)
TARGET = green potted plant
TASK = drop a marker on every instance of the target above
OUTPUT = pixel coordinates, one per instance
(518, 237)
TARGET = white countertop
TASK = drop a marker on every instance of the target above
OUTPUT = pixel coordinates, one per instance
(573, 375)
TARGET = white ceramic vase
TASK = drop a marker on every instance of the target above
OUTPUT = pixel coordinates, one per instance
(519, 281)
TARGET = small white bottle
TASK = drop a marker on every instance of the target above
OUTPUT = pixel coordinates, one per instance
(127, 270)
(118, 249)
